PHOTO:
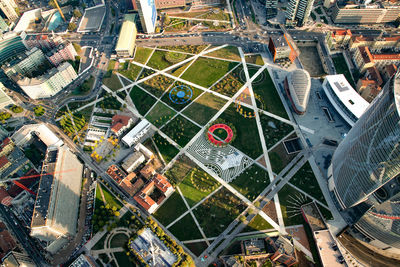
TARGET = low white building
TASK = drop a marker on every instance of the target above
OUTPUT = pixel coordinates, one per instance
(346, 101)
(136, 133)
(27, 132)
(145, 151)
(5, 100)
(133, 161)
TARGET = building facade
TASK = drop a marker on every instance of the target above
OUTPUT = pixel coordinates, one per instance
(61, 53)
(43, 41)
(298, 11)
(26, 63)
(297, 87)
(50, 83)
(271, 8)
(365, 172)
(148, 15)
(10, 45)
(280, 48)
(361, 14)
(365, 59)
(9, 8)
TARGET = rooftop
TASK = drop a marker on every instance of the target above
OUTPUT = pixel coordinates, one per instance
(300, 82)
(127, 34)
(92, 19)
(347, 95)
(40, 130)
(279, 40)
(328, 255)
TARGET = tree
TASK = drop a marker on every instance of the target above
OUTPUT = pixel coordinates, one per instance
(52, 4)
(167, 19)
(72, 26)
(77, 13)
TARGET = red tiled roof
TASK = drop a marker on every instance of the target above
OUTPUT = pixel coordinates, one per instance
(144, 200)
(5, 142)
(147, 171)
(3, 161)
(161, 183)
(386, 56)
(116, 173)
(366, 54)
(373, 74)
(130, 188)
(391, 69)
(119, 121)
(148, 187)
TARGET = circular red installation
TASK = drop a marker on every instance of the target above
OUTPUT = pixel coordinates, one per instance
(216, 142)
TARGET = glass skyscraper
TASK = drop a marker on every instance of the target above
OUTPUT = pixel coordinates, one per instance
(365, 171)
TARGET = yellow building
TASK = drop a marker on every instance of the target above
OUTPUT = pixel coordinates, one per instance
(127, 37)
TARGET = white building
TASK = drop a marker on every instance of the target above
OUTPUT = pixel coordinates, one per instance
(136, 133)
(347, 102)
(145, 151)
(5, 100)
(133, 161)
(50, 83)
(127, 37)
(26, 133)
(9, 9)
(297, 86)
(148, 15)
(61, 53)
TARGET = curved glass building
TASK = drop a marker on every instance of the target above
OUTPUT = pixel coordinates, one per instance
(365, 172)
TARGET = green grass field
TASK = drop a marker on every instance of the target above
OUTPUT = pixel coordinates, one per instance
(112, 82)
(193, 49)
(257, 224)
(341, 68)
(142, 54)
(197, 185)
(160, 114)
(159, 60)
(157, 85)
(123, 259)
(118, 240)
(231, 83)
(218, 211)
(110, 199)
(274, 130)
(255, 59)
(143, 101)
(180, 130)
(132, 72)
(247, 133)
(174, 89)
(171, 209)
(267, 91)
(290, 201)
(168, 151)
(185, 229)
(179, 70)
(251, 182)
(206, 71)
(229, 52)
(204, 108)
(182, 166)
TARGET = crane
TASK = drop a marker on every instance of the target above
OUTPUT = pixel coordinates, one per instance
(59, 9)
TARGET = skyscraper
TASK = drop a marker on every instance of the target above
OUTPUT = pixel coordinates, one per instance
(271, 8)
(9, 9)
(298, 11)
(148, 15)
(365, 172)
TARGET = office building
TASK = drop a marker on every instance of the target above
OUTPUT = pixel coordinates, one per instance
(9, 8)
(148, 15)
(25, 63)
(127, 37)
(3, 25)
(25, 134)
(162, 4)
(281, 49)
(376, 43)
(83, 261)
(271, 7)
(17, 259)
(338, 38)
(364, 175)
(61, 53)
(298, 12)
(50, 83)
(57, 202)
(378, 12)
(44, 42)
(10, 45)
(297, 86)
(344, 99)
(365, 59)
(369, 86)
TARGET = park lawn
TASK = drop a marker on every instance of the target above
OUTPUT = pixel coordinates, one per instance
(247, 139)
(218, 211)
(197, 248)
(181, 130)
(204, 108)
(109, 102)
(85, 88)
(228, 52)
(274, 130)
(179, 70)
(160, 114)
(197, 185)
(257, 224)
(145, 72)
(112, 82)
(305, 180)
(167, 150)
(159, 60)
(157, 85)
(111, 65)
(118, 240)
(142, 54)
(192, 49)
(166, 98)
(206, 71)
(86, 112)
(251, 182)
(182, 166)
(255, 59)
(269, 95)
(252, 71)
(325, 212)
(171, 209)
(185, 229)
(110, 199)
(123, 259)
(231, 83)
(341, 68)
(290, 201)
(142, 100)
(100, 243)
(132, 72)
